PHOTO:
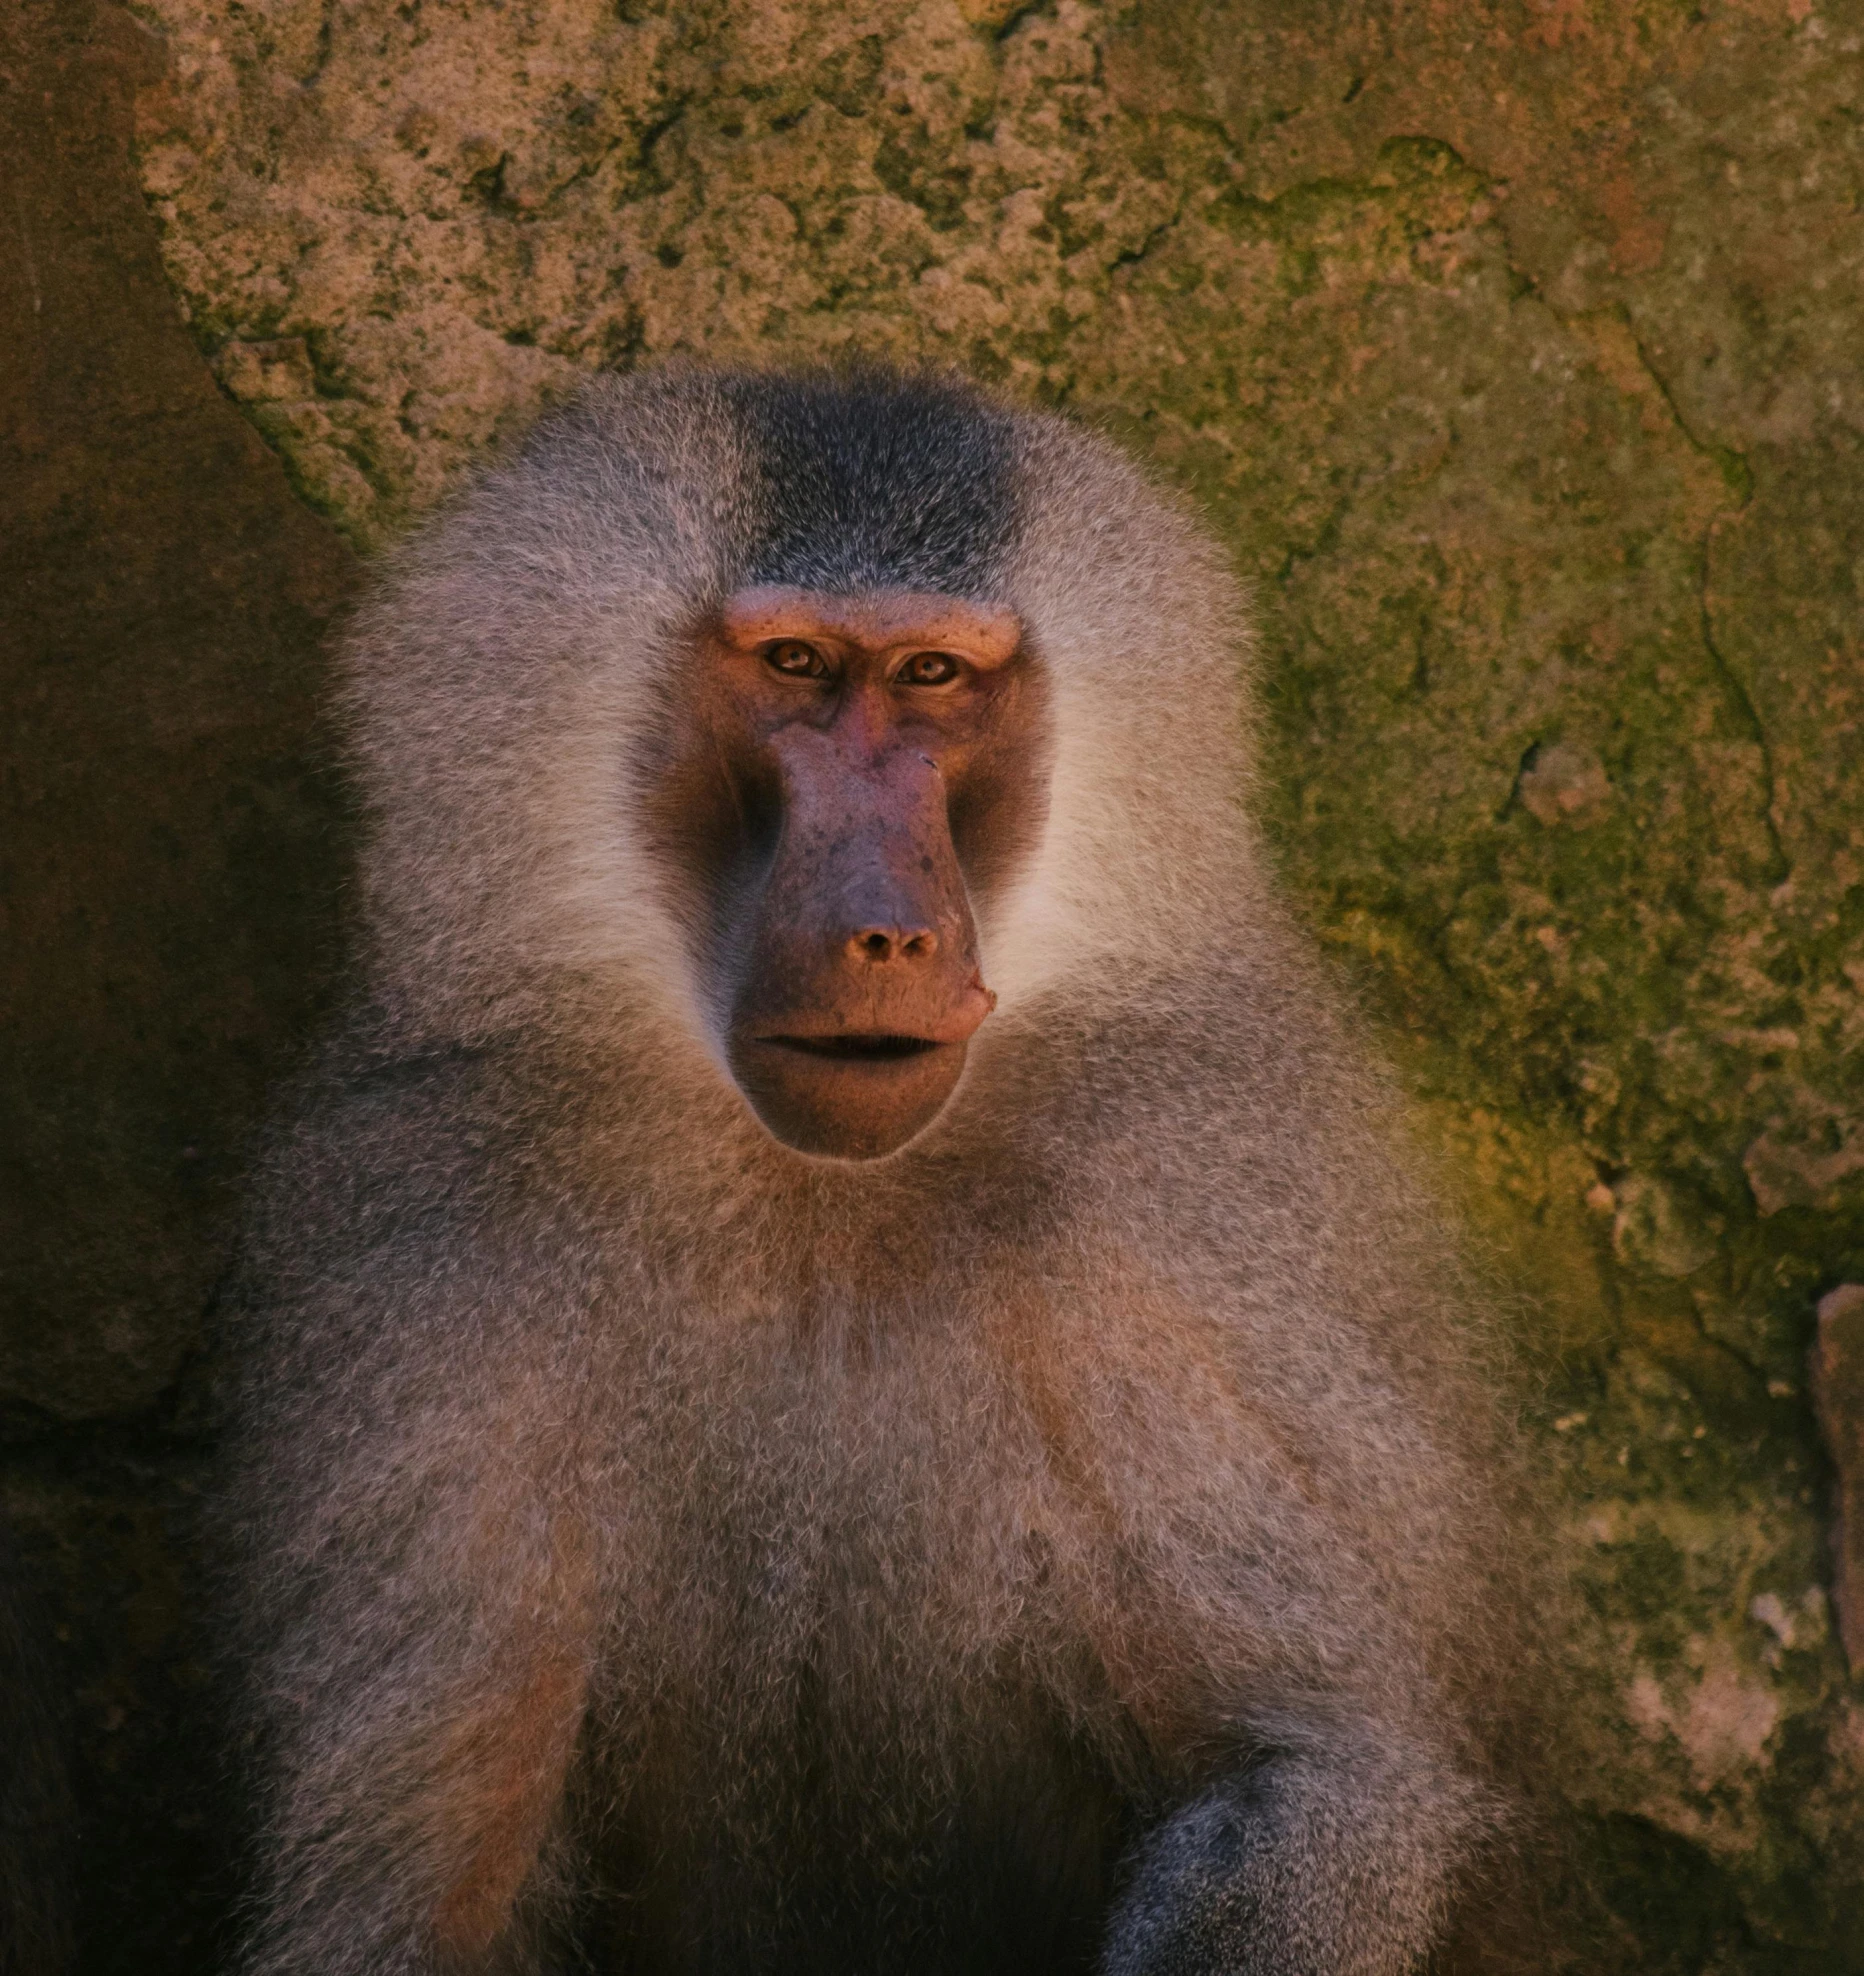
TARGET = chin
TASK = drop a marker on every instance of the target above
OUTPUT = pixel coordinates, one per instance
(846, 1098)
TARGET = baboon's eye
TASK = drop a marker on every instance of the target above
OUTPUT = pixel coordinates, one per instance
(795, 659)
(928, 669)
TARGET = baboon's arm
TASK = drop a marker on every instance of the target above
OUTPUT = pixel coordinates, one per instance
(421, 1708)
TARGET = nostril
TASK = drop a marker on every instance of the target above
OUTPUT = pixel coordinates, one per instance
(878, 944)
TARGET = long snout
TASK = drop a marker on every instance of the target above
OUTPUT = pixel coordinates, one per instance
(864, 924)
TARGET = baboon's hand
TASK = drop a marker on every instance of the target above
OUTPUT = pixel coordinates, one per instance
(1296, 1867)
(1192, 1909)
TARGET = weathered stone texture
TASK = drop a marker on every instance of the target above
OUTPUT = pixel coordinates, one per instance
(1515, 346)
(167, 871)
(1838, 1396)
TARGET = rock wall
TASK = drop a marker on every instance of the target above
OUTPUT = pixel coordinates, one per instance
(170, 851)
(1514, 345)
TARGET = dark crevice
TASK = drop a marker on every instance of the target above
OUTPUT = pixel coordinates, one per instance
(320, 59)
(1015, 19)
(1739, 479)
(1132, 256)
(1779, 865)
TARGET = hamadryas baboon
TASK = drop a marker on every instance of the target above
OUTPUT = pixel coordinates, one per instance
(846, 1376)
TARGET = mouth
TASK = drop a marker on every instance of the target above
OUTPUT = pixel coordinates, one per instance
(851, 1094)
(854, 1048)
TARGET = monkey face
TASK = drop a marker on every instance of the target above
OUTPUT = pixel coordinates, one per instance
(848, 768)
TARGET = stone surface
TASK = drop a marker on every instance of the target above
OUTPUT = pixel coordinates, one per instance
(167, 872)
(1838, 1396)
(1514, 347)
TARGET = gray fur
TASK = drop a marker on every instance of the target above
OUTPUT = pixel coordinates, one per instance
(1104, 1476)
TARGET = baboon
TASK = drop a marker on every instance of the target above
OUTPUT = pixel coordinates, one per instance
(846, 1374)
